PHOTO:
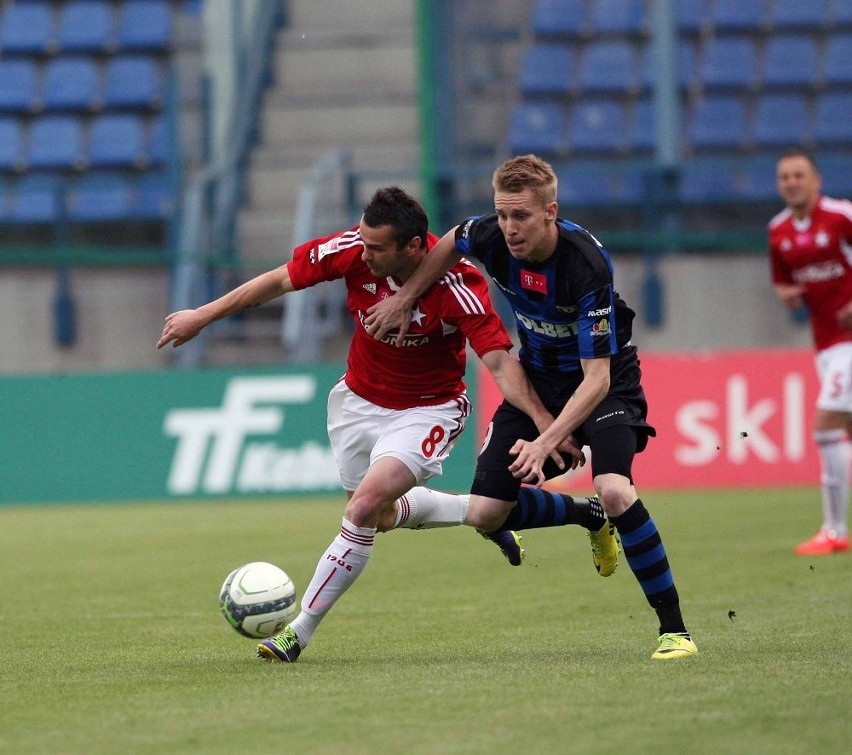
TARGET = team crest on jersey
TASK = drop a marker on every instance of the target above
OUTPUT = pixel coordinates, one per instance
(329, 247)
(601, 328)
(371, 287)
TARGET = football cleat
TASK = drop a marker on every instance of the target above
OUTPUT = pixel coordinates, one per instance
(674, 646)
(283, 647)
(824, 543)
(604, 549)
(509, 543)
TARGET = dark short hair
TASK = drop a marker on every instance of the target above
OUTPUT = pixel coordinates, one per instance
(391, 206)
(799, 152)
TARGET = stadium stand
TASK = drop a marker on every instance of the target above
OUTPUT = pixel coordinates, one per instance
(548, 69)
(86, 26)
(781, 120)
(790, 61)
(799, 16)
(837, 65)
(71, 83)
(608, 66)
(729, 63)
(622, 17)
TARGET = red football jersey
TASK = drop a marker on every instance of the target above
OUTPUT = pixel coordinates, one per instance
(429, 368)
(816, 252)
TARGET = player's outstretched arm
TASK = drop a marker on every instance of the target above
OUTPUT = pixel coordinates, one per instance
(184, 325)
(790, 295)
(394, 313)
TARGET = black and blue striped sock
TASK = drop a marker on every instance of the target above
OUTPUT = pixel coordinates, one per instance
(646, 555)
(541, 508)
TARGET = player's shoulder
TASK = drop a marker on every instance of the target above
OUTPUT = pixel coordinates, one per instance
(576, 243)
(834, 206)
(463, 271)
(780, 218)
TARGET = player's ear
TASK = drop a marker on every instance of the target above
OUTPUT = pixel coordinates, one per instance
(551, 210)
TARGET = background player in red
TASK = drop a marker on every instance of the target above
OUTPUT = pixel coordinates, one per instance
(396, 413)
(810, 246)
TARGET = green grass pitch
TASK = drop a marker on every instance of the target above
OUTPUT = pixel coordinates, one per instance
(111, 640)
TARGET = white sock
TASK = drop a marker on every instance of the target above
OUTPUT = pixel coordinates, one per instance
(834, 456)
(339, 567)
(423, 508)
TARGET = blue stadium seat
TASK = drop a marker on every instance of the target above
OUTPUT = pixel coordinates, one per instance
(641, 136)
(154, 199)
(583, 185)
(547, 69)
(837, 68)
(729, 62)
(608, 66)
(836, 172)
(842, 16)
(833, 124)
(801, 15)
(145, 25)
(19, 86)
(685, 64)
(718, 122)
(708, 180)
(56, 142)
(757, 179)
(690, 15)
(11, 144)
(596, 126)
(87, 26)
(100, 198)
(621, 17)
(37, 199)
(71, 83)
(790, 61)
(558, 18)
(133, 81)
(538, 127)
(781, 120)
(27, 28)
(117, 141)
(738, 15)
(159, 146)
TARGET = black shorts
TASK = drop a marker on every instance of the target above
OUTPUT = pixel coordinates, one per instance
(615, 431)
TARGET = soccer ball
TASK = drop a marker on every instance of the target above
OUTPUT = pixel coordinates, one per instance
(258, 599)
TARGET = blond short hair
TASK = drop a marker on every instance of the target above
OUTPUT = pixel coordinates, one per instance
(526, 172)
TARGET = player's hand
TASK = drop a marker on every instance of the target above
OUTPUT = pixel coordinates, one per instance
(181, 327)
(569, 448)
(844, 316)
(393, 313)
(529, 464)
(791, 295)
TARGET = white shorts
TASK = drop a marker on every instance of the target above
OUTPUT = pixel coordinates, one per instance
(361, 432)
(834, 367)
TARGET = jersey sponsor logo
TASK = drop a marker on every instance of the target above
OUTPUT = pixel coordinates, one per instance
(466, 228)
(408, 340)
(550, 329)
(329, 247)
(602, 312)
(371, 287)
(531, 281)
(601, 328)
(820, 272)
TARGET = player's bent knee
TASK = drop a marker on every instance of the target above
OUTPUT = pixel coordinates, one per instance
(487, 514)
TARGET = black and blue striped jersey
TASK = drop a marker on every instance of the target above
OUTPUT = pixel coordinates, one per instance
(567, 307)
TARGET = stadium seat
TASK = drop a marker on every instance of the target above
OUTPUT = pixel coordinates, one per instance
(608, 66)
(87, 26)
(537, 127)
(158, 141)
(558, 18)
(56, 142)
(729, 62)
(596, 126)
(757, 179)
(71, 83)
(718, 122)
(622, 17)
(547, 69)
(154, 199)
(738, 15)
(836, 172)
(641, 137)
(11, 145)
(27, 28)
(685, 65)
(790, 61)
(583, 185)
(19, 89)
(799, 15)
(100, 198)
(842, 15)
(37, 199)
(117, 141)
(133, 82)
(781, 120)
(145, 25)
(708, 180)
(837, 67)
(833, 124)
(690, 16)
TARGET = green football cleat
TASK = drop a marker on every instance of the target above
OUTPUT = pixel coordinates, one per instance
(675, 646)
(604, 549)
(283, 647)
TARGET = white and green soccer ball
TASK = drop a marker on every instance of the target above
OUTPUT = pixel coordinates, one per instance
(258, 599)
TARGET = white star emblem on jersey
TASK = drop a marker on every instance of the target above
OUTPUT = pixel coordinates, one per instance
(786, 245)
(417, 316)
(822, 239)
